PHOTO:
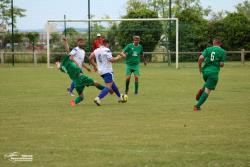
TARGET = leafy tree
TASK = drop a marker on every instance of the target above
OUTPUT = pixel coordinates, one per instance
(5, 12)
(55, 37)
(193, 29)
(159, 6)
(149, 32)
(18, 38)
(217, 16)
(236, 35)
(195, 5)
(133, 5)
(71, 32)
(112, 35)
(33, 36)
(244, 8)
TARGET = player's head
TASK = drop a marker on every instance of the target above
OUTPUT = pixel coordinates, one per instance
(136, 40)
(216, 42)
(106, 43)
(81, 42)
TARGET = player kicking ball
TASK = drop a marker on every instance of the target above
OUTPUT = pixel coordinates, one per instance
(104, 61)
(76, 75)
(212, 59)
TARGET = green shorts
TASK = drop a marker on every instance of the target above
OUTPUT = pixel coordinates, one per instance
(81, 82)
(210, 79)
(133, 69)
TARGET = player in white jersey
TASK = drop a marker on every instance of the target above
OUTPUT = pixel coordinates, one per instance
(103, 65)
(77, 55)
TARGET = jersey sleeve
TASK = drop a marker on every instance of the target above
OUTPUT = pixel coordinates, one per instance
(95, 51)
(223, 57)
(204, 53)
(126, 49)
(73, 52)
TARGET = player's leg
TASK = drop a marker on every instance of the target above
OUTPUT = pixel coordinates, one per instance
(116, 89)
(199, 93)
(87, 81)
(80, 97)
(128, 75)
(136, 84)
(108, 79)
(201, 90)
(127, 84)
(71, 88)
(209, 85)
(136, 74)
(98, 86)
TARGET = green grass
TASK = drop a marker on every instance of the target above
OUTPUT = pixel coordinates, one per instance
(157, 128)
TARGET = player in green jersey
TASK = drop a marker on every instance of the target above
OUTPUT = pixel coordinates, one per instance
(133, 53)
(75, 73)
(210, 61)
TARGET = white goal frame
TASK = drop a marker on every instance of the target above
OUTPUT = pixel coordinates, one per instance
(110, 20)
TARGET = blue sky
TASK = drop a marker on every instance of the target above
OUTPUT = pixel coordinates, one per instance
(39, 11)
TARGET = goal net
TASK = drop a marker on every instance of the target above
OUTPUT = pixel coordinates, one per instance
(154, 34)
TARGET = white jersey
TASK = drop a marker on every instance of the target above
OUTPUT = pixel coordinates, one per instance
(103, 56)
(79, 55)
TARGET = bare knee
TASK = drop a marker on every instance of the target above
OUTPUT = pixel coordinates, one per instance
(208, 90)
(136, 78)
(128, 78)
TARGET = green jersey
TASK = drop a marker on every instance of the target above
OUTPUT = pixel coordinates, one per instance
(69, 67)
(133, 54)
(213, 56)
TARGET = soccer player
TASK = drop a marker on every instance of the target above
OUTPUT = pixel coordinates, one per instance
(104, 61)
(97, 42)
(133, 53)
(75, 73)
(212, 59)
(77, 55)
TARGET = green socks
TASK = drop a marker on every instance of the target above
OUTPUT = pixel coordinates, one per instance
(127, 85)
(78, 99)
(202, 99)
(136, 87)
(100, 87)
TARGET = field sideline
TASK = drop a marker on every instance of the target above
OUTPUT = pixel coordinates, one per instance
(157, 128)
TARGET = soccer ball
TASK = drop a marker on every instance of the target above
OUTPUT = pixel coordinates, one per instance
(124, 98)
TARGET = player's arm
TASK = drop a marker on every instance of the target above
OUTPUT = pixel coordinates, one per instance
(114, 59)
(200, 61)
(123, 54)
(66, 45)
(86, 67)
(222, 60)
(91, 60)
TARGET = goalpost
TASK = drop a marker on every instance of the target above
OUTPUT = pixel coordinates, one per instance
(112, 20)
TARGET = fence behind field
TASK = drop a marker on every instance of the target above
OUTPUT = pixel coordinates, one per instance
(154, 57)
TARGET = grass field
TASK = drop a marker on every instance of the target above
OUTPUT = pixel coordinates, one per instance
(157, 128)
